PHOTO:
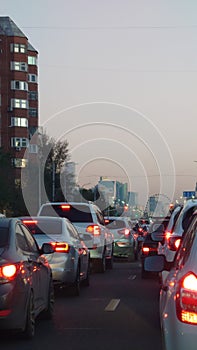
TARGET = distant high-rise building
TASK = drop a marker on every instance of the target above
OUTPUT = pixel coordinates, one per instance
(18, 94)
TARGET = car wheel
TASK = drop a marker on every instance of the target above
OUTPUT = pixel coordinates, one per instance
(75, 287)
(48, 313)
(101, 264)
(110, 263)
(29, 330)
(86, 281)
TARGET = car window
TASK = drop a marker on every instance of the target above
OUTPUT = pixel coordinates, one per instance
(75, 213)
(100, 217)
(187, 242)
(4, 236)
(44, 227)
(187, 217)
(72, 231)
(116, 224)
(21, 241)
(31, 244)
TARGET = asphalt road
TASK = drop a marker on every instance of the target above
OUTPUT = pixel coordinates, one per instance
(119, 310)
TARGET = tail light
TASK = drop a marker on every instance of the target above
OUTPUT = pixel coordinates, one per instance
(8, 273)
(186, 299)
(94, 230)
(65, 207)
(30, 222)
(167, 235)
(60, 247)
(174, 243)
(145, 250)
(124, 231)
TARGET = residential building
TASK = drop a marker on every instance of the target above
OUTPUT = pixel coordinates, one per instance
(18, 94)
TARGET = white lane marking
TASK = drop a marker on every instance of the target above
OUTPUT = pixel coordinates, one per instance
(112, 305)
(132, 277)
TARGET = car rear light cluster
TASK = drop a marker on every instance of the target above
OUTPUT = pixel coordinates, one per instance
(186, 299)
(174, 243)
(60, 247)
(65, 206)
(8, 272)
(94, 230)
(147, 250)
(124, 231)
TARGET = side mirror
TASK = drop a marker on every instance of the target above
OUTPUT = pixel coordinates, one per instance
(47, 248)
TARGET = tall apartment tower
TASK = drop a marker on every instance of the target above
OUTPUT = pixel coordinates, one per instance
(18, 94)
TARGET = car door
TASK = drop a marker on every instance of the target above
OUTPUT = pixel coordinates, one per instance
(81, 248)
(40, 265)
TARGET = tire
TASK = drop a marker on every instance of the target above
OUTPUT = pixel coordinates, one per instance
(75, 287)
(110, 263)
(86, 281)
(48, 313)
(101, 265)
(29, 330)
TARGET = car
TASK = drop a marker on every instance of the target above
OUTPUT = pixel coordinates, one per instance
(70, 262)
(87, 218)
(125, 245)
(26, 285)
(172, 239)
(178, 294)
(150, 245)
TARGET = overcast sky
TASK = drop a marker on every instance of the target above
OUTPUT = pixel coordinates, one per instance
(118, 80)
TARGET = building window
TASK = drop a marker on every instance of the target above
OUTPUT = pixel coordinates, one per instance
(32, 78)
(32, 60)
(19, 85)
(19, 162)
(19, 142)
(32, 131)
(33, 112)
(18, 103)
(33, 95)
(20, 48)
(21, 122)
(20, 66)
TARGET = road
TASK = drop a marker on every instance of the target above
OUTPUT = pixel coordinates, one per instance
(119, 310)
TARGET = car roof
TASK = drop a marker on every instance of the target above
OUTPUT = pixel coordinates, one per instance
(5, 222)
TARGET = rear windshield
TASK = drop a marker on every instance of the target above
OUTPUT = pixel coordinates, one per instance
(40, 227)
(115, 224)
(75, 213)
(4, 236)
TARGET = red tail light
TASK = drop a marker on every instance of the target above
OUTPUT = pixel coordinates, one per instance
(124, 231)
(94, 230)
(8, 272)
(60, 247)
(30, 222)
(146, 250)
(65, 207)
(186, 299)
(167, 234)
(174, 243)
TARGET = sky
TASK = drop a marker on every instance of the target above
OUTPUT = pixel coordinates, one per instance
(118, 81)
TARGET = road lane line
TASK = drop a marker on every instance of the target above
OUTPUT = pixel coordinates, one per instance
(132, 277)
(112, 305)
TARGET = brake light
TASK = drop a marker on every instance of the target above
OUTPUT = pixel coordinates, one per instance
(8, 272)
(106, 221)
(145, 250)
(186, 299)
(30, 222)
(168, 234)
(124, 231)
(60, 247)
(65, 206)
(174, 243)
(94, 230)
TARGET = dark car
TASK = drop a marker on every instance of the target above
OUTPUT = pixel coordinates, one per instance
(150, 246)
(26, 287)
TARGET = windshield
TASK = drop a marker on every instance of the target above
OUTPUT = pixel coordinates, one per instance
(77, 213)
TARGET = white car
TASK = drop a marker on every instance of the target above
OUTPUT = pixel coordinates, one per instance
(178, 295)
(87, 218)
(173, 240)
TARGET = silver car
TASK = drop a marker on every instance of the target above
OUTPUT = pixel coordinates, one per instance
(70, 262)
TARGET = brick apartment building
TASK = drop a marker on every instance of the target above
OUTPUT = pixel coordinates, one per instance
(18, 94)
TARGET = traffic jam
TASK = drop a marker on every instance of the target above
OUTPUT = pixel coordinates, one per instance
(66, 243)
